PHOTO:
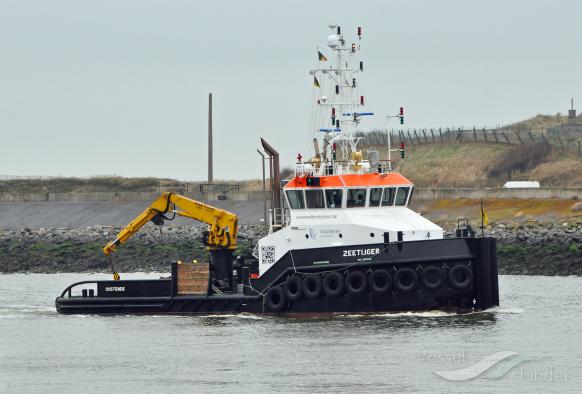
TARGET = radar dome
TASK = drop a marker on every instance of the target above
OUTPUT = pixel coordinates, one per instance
(332, 41)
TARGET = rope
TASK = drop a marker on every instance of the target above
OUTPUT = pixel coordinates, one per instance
(255, 290)
(110, 265)
(295, 271)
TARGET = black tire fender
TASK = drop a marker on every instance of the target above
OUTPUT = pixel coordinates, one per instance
(405, 280)
(333, 284)
(275, 299)
(294, 288)
(460, 277)
(356, 283)
(380, 281)
(433, 277)
(312, 286)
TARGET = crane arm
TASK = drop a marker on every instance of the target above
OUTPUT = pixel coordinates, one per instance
(223, 225)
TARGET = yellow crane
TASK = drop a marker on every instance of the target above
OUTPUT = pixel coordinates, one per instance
(220, 238)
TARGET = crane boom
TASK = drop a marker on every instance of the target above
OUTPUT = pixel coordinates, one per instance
(223, 225)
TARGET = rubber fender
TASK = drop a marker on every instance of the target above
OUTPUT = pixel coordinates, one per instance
(460, 277)
(356, 283)
(433, 277)
(405, 280)
(312, 286)
(275, 299)
(380, 281)
(333, 284)
(294, 288)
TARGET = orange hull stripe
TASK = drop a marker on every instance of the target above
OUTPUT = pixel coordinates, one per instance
(351, 180)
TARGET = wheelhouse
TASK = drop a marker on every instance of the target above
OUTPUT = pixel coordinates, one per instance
(348, 191)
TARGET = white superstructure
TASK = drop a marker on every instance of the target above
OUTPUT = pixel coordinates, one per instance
(340, 198)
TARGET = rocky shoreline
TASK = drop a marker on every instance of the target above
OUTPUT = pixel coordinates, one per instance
(530, 248)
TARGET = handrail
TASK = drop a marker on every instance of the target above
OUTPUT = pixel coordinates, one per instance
(278, 218)
(339, 167)
(70, 287)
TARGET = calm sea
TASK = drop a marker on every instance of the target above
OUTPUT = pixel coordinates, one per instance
(532, 343)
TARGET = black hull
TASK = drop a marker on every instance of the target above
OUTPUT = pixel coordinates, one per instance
(457, 274)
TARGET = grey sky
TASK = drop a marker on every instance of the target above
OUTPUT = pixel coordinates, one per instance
(120, 87)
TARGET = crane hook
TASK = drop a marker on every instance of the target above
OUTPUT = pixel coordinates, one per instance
(113, 271)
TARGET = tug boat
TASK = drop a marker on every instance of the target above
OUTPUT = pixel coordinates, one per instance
(342, 238)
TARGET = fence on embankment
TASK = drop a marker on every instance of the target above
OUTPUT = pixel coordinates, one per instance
(554, 193)
(460, 135)
(560, 193)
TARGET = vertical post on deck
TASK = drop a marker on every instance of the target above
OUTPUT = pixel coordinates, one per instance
(210, 172)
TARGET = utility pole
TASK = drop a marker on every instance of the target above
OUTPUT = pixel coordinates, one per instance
(210, 175)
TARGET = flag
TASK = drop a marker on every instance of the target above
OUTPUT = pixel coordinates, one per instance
(484, 217)
(315, 82)
(321, 57)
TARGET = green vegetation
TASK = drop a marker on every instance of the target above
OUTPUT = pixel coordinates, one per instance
(542, 122)
(93, 184)
(111, 184)
(73, 256)
(518, 159)
(486, 165)
(544, 258)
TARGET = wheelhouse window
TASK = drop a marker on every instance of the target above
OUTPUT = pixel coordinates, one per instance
(295, 198)
(356, 198)
(401, 195)
(333, 198)
(314, 198)
(388, 196)
(375, 196)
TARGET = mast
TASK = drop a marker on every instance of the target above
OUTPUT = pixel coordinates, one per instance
(341, 106)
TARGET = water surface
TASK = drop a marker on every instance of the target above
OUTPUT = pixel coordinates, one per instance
(42, 351)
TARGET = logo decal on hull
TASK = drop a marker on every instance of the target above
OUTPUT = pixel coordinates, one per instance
(312, 233)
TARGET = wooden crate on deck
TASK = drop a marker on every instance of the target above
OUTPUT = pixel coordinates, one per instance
(192, 278)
